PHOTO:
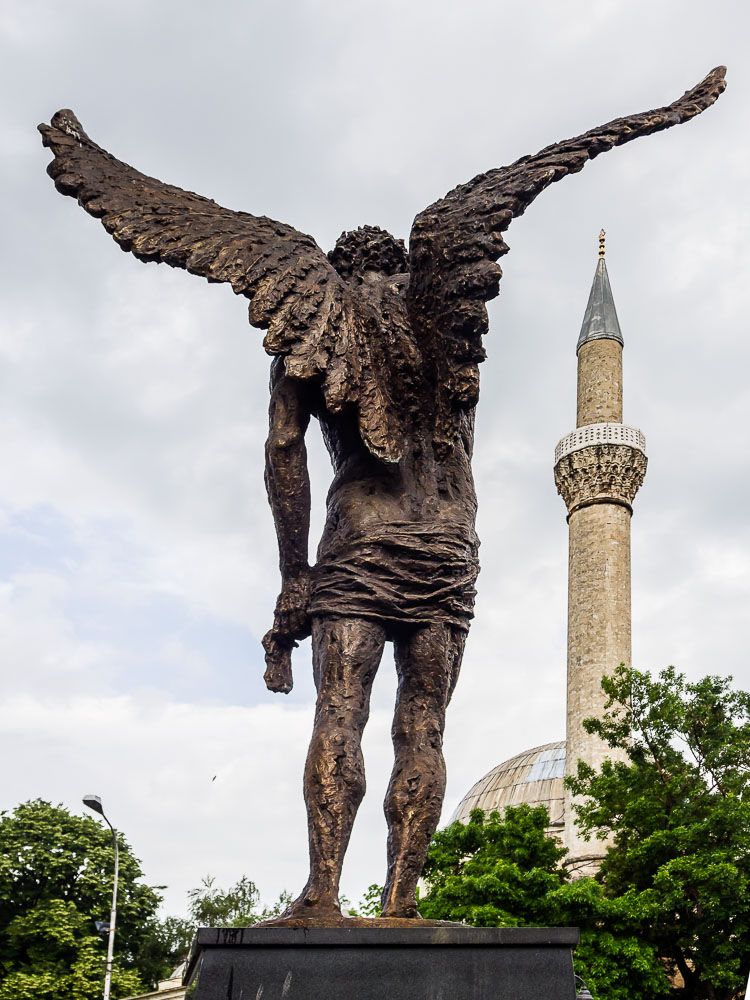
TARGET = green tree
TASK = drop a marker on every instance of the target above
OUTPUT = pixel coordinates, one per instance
(669, 910)
(165, 946)
(505, 872)
(56, 872)
(208, 906)
(370, 905)
(211, 906)
(678, 809)
(494, 871)
(615, 957)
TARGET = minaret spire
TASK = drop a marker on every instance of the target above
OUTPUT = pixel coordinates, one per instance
(598, 469)
(600, 319)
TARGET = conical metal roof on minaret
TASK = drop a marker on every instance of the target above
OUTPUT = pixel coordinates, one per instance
(600, 319)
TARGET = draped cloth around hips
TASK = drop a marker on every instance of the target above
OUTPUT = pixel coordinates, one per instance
(406, 573)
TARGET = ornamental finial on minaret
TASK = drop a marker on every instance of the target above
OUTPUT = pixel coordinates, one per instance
(600, 319)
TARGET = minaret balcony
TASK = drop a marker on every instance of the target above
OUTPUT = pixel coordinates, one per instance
(590, 434)
(604, 470)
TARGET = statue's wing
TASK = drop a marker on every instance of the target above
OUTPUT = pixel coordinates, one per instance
(295, 293)
(455, 243)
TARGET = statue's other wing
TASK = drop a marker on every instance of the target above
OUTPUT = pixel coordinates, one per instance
(295, 293)
(455, 243)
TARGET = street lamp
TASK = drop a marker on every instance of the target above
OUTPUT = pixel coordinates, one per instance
(95, 803)
(584, 993)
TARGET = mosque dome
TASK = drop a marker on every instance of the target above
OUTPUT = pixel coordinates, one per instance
(534, 776)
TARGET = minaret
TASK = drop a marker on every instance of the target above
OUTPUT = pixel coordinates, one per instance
(598, 470)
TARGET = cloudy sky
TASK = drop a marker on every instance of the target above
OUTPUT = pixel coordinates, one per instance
(138, 567)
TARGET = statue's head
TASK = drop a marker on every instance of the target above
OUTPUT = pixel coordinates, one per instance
(368, 249)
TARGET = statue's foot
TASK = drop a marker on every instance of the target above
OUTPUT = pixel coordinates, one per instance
(405, 909)
(312, 903)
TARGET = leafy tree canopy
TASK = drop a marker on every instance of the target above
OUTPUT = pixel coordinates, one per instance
(678, 809)
(210, 906)
(669, 909)
(494, 871)
(56, 873)
(505, 872)
(369, 906)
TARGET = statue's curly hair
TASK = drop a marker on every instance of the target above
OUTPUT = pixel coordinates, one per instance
(369, 248)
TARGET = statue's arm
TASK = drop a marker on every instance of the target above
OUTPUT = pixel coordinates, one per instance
(288, 486)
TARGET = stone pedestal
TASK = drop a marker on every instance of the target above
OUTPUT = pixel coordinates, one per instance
(375, 963)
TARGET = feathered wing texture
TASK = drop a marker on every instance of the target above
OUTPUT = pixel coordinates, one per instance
(455, 243)
(311, 315)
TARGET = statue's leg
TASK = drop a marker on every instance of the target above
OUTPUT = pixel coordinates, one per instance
(346, 655)
(428, 661)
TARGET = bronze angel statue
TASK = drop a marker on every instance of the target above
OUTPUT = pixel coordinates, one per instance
(382, 345)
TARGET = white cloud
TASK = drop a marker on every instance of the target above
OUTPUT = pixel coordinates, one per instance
(139, 563)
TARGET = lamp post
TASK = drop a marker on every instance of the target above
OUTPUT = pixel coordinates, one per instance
(584, 993)
(95, 803)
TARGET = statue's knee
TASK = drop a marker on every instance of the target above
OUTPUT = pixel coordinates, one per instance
(418, 724)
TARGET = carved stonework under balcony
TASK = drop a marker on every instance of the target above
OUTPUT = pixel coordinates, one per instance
(601, 473)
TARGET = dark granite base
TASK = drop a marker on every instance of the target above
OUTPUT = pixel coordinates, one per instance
(375, 963)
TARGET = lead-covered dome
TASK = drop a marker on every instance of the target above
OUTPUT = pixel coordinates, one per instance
(534, 776)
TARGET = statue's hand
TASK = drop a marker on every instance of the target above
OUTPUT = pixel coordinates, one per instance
(291, 621)
(292, 615)
(278, 675)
